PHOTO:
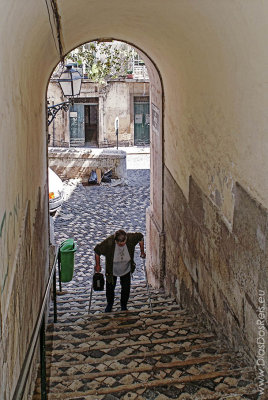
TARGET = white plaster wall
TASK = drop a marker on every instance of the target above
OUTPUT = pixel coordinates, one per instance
(213, 60)
(22, 136)
(117, 105)
(216, 123)
(212, 56)
(25, 40)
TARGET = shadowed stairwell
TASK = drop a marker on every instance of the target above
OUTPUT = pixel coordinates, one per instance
(138, 355)
(166, 354)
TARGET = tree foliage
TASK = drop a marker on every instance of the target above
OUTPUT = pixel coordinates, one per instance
(104, 60)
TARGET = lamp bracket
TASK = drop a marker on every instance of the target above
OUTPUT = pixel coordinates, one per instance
(53, 110)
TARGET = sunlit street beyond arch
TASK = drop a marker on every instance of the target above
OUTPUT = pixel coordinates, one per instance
(91, 213)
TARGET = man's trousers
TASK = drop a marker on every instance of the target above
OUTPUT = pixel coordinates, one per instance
(125, 290)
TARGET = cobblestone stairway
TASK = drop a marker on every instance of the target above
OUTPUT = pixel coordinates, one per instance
(136, 354)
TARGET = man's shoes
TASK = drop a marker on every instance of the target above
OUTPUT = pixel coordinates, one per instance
(108, 308)
(124, 308)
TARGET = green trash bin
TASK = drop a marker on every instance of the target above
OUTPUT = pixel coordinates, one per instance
(67, 250)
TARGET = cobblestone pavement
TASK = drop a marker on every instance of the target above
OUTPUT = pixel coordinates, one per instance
(91, 213)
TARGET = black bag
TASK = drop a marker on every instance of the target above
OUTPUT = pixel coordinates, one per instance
(92, 180)
(107, 176)
(98, 282)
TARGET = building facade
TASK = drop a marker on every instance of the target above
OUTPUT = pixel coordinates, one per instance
(90, 121)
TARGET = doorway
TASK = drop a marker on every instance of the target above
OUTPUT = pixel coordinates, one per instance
(91, 124)
(84, 123)
(141, 121)
(76, 115)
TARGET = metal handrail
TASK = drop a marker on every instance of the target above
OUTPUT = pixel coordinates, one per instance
(38, 329)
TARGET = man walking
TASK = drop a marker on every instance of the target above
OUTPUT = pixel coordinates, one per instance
(118, 250)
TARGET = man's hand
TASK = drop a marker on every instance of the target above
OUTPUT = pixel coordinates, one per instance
(143, 255)
(97, 266)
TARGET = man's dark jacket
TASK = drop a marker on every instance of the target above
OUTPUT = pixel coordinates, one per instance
(107, 247)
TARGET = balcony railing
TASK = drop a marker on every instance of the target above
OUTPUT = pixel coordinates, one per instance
(140, 72)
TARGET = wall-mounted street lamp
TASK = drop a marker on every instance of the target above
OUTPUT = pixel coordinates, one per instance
(70, 82)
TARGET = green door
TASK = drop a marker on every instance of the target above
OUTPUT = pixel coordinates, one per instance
(77, 125)
(141, 122)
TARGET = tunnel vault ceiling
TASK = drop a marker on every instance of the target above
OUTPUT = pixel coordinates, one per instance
(211, 56)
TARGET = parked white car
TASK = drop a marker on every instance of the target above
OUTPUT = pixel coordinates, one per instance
(55, 191)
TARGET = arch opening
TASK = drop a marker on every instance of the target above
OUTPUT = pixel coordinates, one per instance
(154, 214)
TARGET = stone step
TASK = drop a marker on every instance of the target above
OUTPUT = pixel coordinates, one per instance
(81, 317)
(123, 321)
(85, 293)
(158, 361)
(125, 327)
(135, 284)
(166, 354)
(101, 303)
(100, 296)
(71, 341)
(71, 316)
(124, 317)
(99, 314)
(162, 347)
(113, 346)
(145, 382)
(68, 292)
